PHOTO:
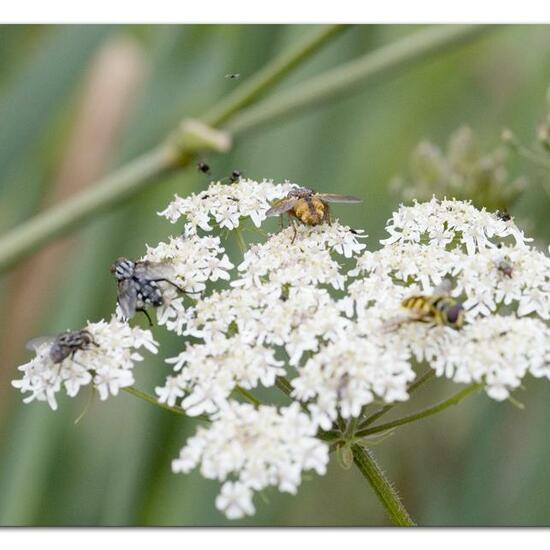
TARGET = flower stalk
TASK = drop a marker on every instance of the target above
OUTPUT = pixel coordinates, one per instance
(396, 511)
(140, 173)
(430, 411)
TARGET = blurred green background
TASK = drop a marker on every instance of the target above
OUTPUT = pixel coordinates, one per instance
(75, 101)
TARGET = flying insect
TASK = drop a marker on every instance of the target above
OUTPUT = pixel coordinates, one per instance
(64, 344)
(309, 207)
(138, 285)
(439, 308)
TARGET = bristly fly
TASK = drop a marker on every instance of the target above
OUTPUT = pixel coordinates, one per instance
(138, 285)
(309, 207)
(64, 344)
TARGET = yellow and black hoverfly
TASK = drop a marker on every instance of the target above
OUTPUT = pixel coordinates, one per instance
(439, 308)
(309, 207)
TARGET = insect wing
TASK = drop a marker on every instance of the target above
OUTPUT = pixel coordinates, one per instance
(127, 297)
(282, 206)
(151, 271)
(35, 343)
(335, 197)
(443, 288)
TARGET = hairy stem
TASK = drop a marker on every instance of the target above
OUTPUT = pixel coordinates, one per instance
(153, 401)
(453, 400)
(132, 178)
(364, 460)
(387, 408)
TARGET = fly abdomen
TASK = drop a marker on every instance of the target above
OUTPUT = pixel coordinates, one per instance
(418, 304)
(149, 293)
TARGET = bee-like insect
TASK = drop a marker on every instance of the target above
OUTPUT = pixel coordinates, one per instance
(439, 308)
(203, 167)
(64, 344)
(138, 285)
(233, 76)
(505, 266)
(309, 207)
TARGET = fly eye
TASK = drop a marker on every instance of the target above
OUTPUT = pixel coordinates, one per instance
(453, 313)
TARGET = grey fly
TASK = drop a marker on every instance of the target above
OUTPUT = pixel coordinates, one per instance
(65, 344)
(138, 285)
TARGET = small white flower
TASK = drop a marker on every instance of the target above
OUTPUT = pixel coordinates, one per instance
(225, 205)
(108, 366)
(256, 448)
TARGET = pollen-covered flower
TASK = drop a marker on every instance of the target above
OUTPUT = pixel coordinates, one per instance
(300, 257)
(210, 371)
(105, 359)
(450, 223)
(350, 373)
(496, 351)
(250, 449)
(225, 205)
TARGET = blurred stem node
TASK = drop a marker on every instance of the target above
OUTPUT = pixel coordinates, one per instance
(193, 136)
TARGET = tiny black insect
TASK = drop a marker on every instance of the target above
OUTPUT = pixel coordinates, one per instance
(235, 176)
(504, 215)
(203, 167)
(232, 76)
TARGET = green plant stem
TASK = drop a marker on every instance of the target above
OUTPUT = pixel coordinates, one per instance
(240, 240)
(387, 408)
(153, 401)
(284, 385)
(142, 172)
(372, 66)
(132, 178)
(364, 460)
(269, 75)
(454, 400)
(247, 396)
(76, 211)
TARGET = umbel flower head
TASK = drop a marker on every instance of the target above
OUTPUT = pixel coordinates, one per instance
(316, 313)
(105, 360)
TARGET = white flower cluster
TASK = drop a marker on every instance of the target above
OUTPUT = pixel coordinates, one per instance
(107, 364)
(250, 449)
(313, 305)
(225, 205)
(499, 282)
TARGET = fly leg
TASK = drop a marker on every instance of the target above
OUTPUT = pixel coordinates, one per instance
(293, 223)
(328, 217)
(176, 286)
(146, 315)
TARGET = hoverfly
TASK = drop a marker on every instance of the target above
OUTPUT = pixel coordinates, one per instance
(138, 285)
(439, 308)
(65, 344)
(308, 207)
